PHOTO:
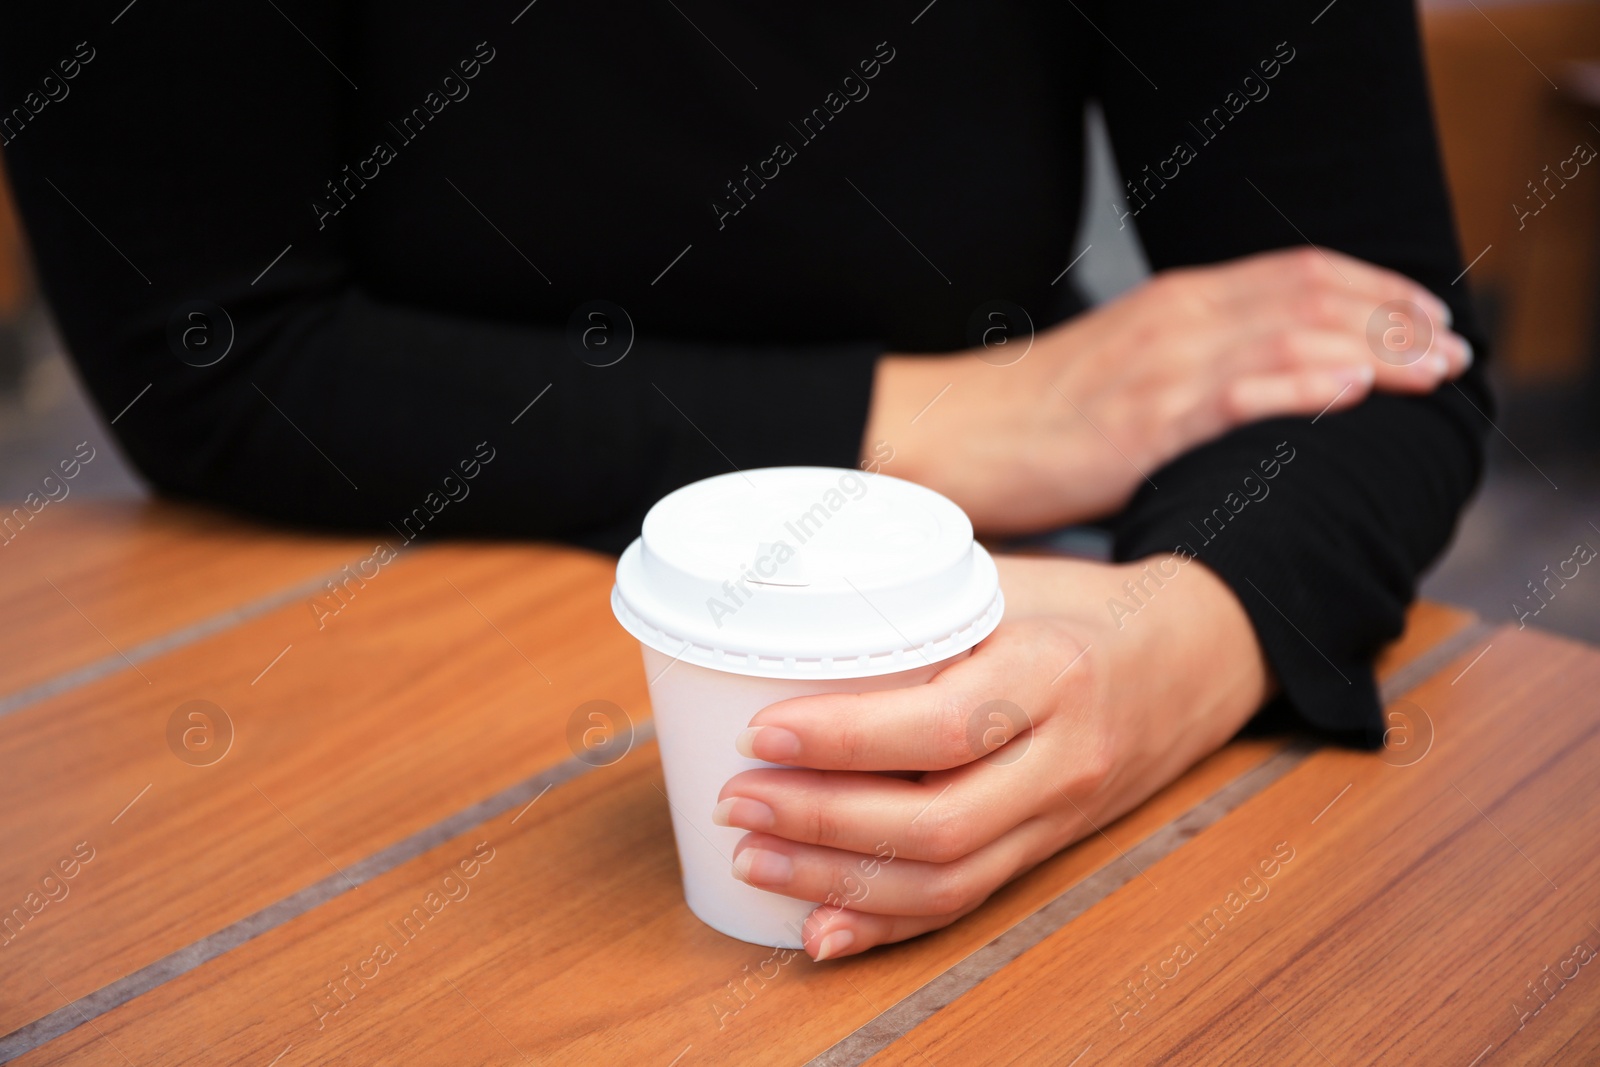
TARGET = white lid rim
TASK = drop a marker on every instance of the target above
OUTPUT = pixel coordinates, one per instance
(897, 582)
(865, 665)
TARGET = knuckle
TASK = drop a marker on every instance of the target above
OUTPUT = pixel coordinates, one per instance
(942, 836)
(1309, 266)
(1287, 348)
(1244, 402)
(1317, 306)
(1234, 403)
(1087, 674)
(822, 826)
(1172, 406)
(951, 737)
(1092, 768)
(1064, 641)
(948, 889)
(849, 743)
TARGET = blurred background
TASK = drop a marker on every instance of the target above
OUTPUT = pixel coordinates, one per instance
(1516, 86)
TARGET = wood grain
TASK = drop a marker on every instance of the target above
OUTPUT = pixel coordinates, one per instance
(1428, 624)
(125, 572)
(1418, 904)
(574, 941)
(449, 675)
(573, 944)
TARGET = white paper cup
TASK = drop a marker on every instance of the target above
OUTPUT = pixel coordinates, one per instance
(757, 586)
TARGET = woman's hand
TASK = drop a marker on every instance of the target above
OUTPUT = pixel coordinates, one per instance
(1065, 718)
(1068, 432)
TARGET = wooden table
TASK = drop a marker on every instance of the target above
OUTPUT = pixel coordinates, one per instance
(377, 845)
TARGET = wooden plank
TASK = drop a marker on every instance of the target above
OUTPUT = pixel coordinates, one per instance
(450, 674)
(1419, 904)
(88, 582)
(574, 943)
(1428, 625)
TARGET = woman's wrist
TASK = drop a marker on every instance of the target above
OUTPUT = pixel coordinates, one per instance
(1208, 619)
(898, 381)
(950, 422)
(1186, 642)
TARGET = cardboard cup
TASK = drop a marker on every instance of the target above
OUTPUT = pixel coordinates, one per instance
(752, 588)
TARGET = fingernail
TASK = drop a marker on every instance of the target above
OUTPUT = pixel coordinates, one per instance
(834, 944)
(775, 743)
(744, 813)
(1439, 364)
(757, 866)
(1466, 353)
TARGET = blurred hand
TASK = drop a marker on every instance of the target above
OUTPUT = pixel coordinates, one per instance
(1089, 731)
(1070, 431)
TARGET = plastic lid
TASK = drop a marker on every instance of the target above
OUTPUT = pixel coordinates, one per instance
(795, 572)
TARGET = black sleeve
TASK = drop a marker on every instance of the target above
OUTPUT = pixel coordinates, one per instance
(1337, 149)
(171, 172)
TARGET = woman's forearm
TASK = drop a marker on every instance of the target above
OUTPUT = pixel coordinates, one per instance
(1066, 425)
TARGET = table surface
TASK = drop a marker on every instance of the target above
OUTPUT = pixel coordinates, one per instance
(377, 844)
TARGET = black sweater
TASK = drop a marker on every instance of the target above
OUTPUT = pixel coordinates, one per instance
(392, 223)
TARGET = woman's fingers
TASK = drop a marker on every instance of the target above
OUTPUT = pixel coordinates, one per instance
(1284, 274)
(831, 932)
(1269, 396)
(1397, 322)
(962, 714)
(1296, 350)
(885, 883)
(1403, 341)
(853, 879)
(840, 927)
(1406, 346)
(939, 819)
(1386, 285)
(1328, 372)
